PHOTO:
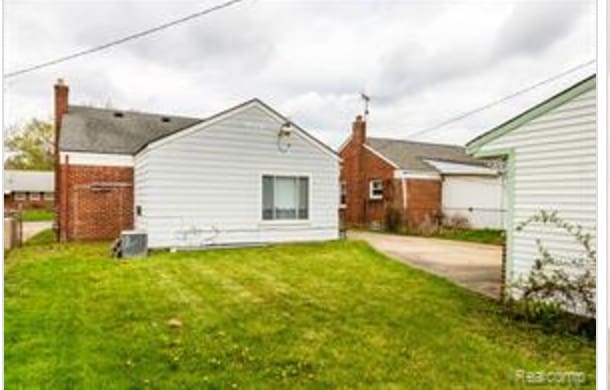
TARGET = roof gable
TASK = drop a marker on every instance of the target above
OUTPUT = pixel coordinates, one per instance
(113, 131)
(540, 109)
(240, 108)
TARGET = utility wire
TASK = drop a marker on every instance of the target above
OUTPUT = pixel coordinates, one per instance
(501, 100)
(122, 40)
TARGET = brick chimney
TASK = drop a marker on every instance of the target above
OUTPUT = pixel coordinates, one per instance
(359, 130)
(359, 182)
(61, 107)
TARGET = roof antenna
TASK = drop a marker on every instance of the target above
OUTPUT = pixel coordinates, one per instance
(366, 99)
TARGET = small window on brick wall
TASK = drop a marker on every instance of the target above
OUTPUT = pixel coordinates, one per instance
(20, 196)
(49, 196)
(376, 189)
(34, 195)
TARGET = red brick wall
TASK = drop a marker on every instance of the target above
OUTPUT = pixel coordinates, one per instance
(358, 168)
(95, 203)
(423, 201)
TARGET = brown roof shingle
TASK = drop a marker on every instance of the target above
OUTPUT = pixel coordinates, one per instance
(412, 155)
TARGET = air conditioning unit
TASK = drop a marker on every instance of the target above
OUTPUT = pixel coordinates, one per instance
(134, 244)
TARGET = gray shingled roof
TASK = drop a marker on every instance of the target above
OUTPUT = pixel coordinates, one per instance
(98, 130)
(412, 155)
(28, 181)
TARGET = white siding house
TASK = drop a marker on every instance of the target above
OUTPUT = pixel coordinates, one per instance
(550, 153)
(233, 179)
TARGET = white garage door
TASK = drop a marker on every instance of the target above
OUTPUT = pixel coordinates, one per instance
(481, 199)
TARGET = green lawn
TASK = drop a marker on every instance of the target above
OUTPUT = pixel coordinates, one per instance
(296, 316)
(482, 236)
(38, 215)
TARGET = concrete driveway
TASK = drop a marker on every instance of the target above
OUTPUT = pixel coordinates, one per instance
(474, 266)
(30, 229)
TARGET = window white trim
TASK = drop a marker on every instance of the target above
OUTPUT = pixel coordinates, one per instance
(20, 195)
(285, 222)
(374, 187)
(34, 196)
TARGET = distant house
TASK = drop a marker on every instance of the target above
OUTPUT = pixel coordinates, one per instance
(28, 189)
(550, 153)
(245, 175)
(420, 182)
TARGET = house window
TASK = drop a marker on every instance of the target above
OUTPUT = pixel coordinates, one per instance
(49, 196)
(20, 196)
(343, 197)
(34, 195)
(285, 197)
(376, 189)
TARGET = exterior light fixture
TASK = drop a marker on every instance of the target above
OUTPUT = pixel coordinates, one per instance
(285, 130)
(283, 135)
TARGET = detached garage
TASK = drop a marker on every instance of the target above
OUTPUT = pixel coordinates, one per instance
(476, 193)
(550, 153)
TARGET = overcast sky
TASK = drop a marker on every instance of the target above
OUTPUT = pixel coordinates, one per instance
(421, 61)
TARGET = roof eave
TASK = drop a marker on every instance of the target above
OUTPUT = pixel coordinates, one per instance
(534, 112)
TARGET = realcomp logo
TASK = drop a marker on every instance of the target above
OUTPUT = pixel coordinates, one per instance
(567, 378)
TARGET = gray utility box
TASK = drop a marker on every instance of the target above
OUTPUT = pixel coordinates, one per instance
(133, 244)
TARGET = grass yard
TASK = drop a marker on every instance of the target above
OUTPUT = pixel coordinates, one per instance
(482, 236)
(294, 316)
(33, 215)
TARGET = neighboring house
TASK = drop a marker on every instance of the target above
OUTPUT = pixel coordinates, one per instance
(243, 176)
(550, 153)
(421, 182)
(28, 189)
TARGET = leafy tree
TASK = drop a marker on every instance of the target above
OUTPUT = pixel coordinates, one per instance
(30, 146)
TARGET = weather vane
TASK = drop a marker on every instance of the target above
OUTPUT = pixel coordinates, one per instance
(366, 99)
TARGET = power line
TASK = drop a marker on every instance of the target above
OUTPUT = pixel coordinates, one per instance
(122, 40)
(501, 100)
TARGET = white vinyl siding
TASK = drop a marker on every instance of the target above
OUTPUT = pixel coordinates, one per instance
(206, 187)
(554, 169)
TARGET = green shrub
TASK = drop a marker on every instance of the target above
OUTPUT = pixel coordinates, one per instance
(393, 219)
(548, 294)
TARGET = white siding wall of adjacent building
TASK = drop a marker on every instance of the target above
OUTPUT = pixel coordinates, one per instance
(554, 169)
(480, 199)
(205, 187)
